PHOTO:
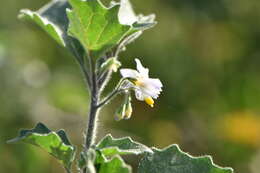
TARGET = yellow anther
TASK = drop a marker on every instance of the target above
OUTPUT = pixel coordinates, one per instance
(149, 101)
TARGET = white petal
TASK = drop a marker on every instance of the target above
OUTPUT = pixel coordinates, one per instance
(155, 83)
(139, 95)
(150, 92)
(151, 87)
(129, 73)
(143, 71)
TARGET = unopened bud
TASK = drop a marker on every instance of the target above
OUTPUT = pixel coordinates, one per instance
(129, 109)
(111, 64)
(120, 112)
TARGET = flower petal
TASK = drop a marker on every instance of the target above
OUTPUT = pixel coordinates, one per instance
(129, 73)
(155, 83)
(139, 94)
(141, 69)
(151, 87)
(149, 91)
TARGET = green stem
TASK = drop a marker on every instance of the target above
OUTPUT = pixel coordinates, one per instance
(92, 118)
(109, 98)
(68, 170)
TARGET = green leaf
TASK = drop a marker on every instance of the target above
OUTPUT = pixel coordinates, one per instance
(115, 165)
(139, 23)
(55, 143)
(52, 18)
(173, 160)
(46, 25)
(127, 16)
(95, 26)
(110, 146)
(109, 26)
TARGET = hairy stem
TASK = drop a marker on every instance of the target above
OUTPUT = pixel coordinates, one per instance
(93, 113)
(108, 98)
(68, 170)
(91, 128)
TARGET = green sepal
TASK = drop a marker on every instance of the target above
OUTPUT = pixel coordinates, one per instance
(173, 160)
(55, 143)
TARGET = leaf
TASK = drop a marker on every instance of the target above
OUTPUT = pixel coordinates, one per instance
(52, 18)
(110, 146)
(173, 160)
(139, 23)
(55, 143)
(115, 165)
(94, 161)
(106, 27)
(95, 26)
(46, 25)
(127, 16)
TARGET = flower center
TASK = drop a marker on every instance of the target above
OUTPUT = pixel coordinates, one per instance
(139, 82)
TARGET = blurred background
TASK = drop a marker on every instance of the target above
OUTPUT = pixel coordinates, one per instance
(205, 52)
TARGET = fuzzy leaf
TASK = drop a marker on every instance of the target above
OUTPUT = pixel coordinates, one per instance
(139, 23)
(110, 146)
(55, 143)
(52, 18)
(127, 16)
(115, 165)
(173, 160)
(95, 26)
(46, 25)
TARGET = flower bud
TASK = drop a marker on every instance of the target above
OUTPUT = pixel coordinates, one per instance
(111, 64)
(120, 112)
(129, 109)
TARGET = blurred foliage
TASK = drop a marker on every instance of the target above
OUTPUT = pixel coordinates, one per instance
(205, 52)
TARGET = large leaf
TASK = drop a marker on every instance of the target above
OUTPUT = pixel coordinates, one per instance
(110, 146)
(52, 18)
(95, 26)
(115, 165)
(55, 143)
(94, 161)
(54, 31)
(173, 160)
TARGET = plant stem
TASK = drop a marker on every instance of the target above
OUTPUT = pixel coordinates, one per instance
(93, 113)
(91, 128)
(108, 98)
(68, 170)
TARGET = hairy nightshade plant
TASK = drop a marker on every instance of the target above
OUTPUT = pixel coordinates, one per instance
(95, 35)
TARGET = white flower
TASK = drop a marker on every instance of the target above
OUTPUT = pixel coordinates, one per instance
(146, 89)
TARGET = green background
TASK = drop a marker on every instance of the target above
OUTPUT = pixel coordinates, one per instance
(205, 52)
